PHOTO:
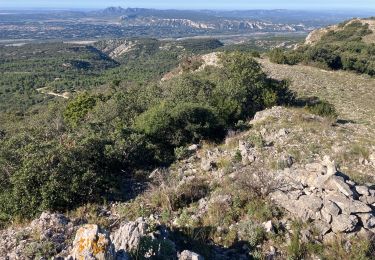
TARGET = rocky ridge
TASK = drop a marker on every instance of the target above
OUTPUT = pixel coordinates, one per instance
(274, 161)
(316, 35)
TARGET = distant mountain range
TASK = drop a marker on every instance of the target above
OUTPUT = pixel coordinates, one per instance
(309, 18)
(227, 21)
(118, 22)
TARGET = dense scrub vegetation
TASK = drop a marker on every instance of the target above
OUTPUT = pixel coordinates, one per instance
(84, 150)
(61, 67)
(340, 49)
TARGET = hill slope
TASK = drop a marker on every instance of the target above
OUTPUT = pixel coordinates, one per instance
(317, 35)
(351, 94)
(348, 46)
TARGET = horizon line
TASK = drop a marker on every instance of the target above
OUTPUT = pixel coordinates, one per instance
(50, 8)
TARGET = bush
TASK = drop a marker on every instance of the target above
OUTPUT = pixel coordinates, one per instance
(150, 248)
(246, 89)
(181, 152)
(251, 232)
(280, 56)
(78, 108)
(178, 125)
(322, 108)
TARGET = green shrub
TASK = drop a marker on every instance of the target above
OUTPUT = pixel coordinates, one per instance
(251, 232)
(157, 249)
(78, 108)
(322, 108)
(181, 152)
(237, 156)
(280, 56)
(256, 140)
(180, 124)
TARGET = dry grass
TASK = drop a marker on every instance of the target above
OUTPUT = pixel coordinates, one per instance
(351, 94)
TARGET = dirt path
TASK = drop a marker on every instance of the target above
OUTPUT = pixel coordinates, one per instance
(65, 95)
(353, 95)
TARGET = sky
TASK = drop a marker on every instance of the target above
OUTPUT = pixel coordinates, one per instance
(194, 4)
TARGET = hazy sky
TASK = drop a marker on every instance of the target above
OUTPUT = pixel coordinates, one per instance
(194, 4)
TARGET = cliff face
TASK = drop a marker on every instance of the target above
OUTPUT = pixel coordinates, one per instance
(215, 24)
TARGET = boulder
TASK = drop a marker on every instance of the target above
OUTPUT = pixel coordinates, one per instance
(331, 208)
(300, 207)
(193, 148)
(330, 165)
(337, 182)
(91, 242)
(367, 199)
(310, 202)
(362, 190)
(344, 223)
(322, 227)
(316, 167)
(188, 255)
(208, 164)
(268, 227)
(248, 153)
(326, 216)
(367, 219)
(286, 161)
(128, 236)
(348, 206)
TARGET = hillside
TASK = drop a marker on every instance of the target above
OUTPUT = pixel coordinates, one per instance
(204, 164)
(350, 93)
(270, 191)
(348, 46)
(189, 149)
(317, 35)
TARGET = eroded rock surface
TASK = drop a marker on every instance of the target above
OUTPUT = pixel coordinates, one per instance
(91, 242)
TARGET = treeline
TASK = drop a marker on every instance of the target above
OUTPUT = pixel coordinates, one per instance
(83, 151)
(340, 49)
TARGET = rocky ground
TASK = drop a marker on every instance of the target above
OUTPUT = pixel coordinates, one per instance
(293, 185)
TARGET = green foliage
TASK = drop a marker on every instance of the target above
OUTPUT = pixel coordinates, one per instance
(256, 140)
(78, 108)
(40, 249)
(262, 211)
(322, 108)
(337, 49)
(61, 156)
(199, 45)
(237, 156)
(246, 89)
(279, 56)
(180, 124)
(154, 249)
(181, 152)
(296, 249)
(251, 232)
(362, 249)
